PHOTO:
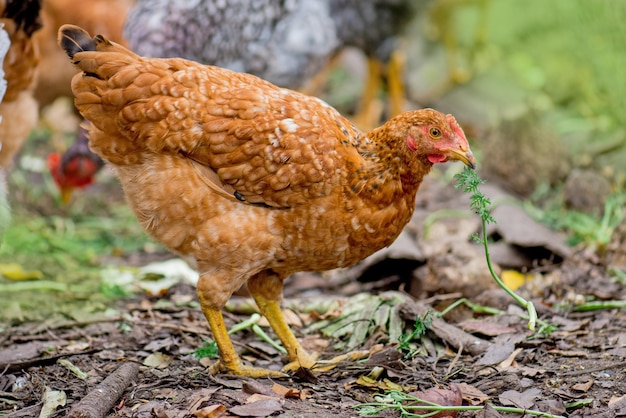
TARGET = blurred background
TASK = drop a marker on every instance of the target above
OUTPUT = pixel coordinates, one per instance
(538, 86)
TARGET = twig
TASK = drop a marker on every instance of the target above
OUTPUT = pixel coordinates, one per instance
(101, 399)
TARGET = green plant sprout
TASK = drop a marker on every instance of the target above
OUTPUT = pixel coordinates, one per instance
(208, 349)
(421, 325)
(469, 181)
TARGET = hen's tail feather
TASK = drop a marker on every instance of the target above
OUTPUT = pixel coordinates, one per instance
(74, 40)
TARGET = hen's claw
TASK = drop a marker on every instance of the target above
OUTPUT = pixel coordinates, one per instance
(304, 360)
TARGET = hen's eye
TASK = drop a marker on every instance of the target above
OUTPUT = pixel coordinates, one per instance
(435, 133)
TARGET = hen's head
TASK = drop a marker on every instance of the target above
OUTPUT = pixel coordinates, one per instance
(434, 136)
(72, 173)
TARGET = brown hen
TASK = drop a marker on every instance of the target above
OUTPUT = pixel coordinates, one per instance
(253, 181)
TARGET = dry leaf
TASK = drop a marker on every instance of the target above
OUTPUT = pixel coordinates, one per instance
(257, 409)
(489, 412)
(200, 396)
(213, 411)
(260, 397)
(510, 360)
(384, 384)
(471, 394)
(617, 402)
(289, 392)
(52, 399)
(502, 348)
(440, 396)
(523, 400)
(583, 387)
(158, 360)
(254, 386)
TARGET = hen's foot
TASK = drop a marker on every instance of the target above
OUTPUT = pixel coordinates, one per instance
(326, 365)
(310, 362)
(303, 360)
(241, 370)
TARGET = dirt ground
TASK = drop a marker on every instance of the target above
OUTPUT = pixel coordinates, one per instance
(145, 344)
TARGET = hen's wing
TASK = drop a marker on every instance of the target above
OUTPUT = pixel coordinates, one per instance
(254, 141)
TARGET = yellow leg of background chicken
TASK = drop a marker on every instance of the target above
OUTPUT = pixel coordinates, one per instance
(369, 109)
(395, 83)
(266, 289)
(229, 361)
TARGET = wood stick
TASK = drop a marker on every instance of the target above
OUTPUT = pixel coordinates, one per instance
(103, 397)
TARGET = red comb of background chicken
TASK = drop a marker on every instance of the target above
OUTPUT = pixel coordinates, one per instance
(76, 168)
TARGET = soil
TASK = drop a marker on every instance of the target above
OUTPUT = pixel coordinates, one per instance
(576, 370)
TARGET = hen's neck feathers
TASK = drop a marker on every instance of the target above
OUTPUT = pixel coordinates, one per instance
(389, 171)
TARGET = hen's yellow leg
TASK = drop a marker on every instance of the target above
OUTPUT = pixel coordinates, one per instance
(229, 361)
(212, 296)
(267, 292)
(298, 357)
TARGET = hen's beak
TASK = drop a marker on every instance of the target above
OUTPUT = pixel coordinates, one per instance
(466, 157)
(66, 195)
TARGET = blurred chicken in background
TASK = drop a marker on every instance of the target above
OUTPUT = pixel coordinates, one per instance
(76, 168)
(20, 18)
(286, 43)
(106, 17)
(77, 165)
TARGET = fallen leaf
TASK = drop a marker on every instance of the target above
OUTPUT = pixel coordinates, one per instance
(516, 227)
(524, 400)
(583, 387)
(213, 411)
(508, 362)
(530, 371)
(200, 396)
(489, 412)
(157, 360)
(160, 413)
(257, 409)
(617, 402)
(471, 394)
(444, 397)
(551, 406)
(384, 384)
(502, 348)
(569, 325)
(260, 397)
(159, 344)
(254, 386)
(286, 392)
(52, 399)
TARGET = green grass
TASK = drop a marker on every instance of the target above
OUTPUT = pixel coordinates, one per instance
(594, 231)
